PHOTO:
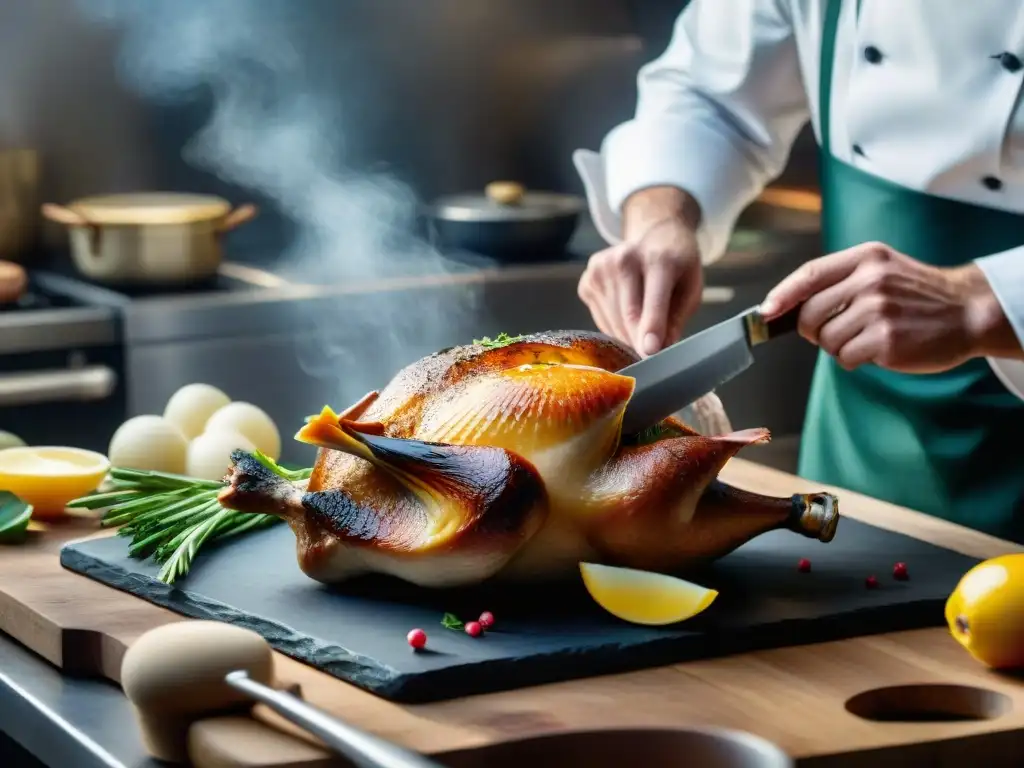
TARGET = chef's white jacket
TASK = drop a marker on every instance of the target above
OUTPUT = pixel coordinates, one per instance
(941, 112)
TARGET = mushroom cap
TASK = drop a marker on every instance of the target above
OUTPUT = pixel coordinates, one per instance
(178, 669)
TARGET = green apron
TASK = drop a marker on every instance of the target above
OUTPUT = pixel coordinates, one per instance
(947, 444)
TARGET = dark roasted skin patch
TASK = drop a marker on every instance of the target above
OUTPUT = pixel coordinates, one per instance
(337, 513)
(502, 485)
(498, 490)
(521, 493)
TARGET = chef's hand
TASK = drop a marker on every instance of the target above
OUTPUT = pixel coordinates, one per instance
(643, 290)
(871, 304)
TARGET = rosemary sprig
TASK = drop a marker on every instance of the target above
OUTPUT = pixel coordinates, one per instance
(171, 517)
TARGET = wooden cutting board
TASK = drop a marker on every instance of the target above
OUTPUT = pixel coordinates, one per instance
(796, 697)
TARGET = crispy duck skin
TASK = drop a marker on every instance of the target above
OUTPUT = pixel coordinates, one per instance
(480, 462)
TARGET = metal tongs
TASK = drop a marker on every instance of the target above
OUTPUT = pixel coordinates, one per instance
(361, 748)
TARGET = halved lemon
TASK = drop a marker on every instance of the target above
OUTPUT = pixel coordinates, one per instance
(643, 597)
(48, 477)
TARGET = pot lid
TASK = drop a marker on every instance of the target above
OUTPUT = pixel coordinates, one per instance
(150, 208)
(506, 201)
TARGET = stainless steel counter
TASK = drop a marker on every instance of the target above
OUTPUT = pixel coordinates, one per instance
(62, 722)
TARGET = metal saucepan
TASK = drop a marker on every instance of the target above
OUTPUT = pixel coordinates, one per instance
(506, 222)
(153, 238)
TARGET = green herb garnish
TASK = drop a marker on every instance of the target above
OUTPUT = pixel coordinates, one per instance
(501, 340)
(451, 621)
(170, 517)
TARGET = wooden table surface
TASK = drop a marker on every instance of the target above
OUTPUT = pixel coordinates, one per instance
(795, 697)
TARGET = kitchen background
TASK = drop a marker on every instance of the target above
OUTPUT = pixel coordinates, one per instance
(334, 118)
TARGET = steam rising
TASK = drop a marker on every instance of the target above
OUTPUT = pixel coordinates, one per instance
(274, 129)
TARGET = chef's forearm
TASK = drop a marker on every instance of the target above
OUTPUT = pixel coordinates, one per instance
(651, 206)
(999, 339)
(991, 332)
(706, 123)
(997, 285)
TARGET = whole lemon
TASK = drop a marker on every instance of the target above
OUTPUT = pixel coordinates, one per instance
(985, 612)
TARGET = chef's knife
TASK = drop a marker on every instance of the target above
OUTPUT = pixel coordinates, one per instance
(671, 379)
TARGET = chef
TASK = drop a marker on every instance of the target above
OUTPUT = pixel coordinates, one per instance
(918, 305)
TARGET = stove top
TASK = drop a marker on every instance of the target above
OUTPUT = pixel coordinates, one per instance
(61, 285)
(61, 308)
(37, 298)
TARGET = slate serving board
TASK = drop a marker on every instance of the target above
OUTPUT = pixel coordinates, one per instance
(542, 634)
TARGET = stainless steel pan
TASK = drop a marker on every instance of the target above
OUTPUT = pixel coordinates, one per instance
(149, 238)
(506, 222)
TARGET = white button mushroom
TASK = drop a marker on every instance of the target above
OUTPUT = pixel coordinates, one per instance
(251, 421)
(192, 406)
(149, 443)
(174, 675)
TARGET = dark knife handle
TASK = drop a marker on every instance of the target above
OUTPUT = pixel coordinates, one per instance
(760, 330)
(784, 324)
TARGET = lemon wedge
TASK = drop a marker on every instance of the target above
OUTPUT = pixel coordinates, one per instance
(643, 597)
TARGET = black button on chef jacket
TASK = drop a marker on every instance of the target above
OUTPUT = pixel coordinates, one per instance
(872, 55)
(1011, 62)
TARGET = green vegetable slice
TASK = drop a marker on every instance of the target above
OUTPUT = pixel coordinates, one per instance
(14, 518)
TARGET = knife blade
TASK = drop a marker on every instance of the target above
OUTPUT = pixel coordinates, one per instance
(680, 374)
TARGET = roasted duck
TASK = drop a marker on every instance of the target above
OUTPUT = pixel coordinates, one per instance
(509, 461)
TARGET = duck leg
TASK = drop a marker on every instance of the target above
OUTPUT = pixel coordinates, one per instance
(664, 509)
(814, 515)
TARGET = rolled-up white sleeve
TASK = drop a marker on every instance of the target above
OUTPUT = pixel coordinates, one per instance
(1005, 273)
(716, 115)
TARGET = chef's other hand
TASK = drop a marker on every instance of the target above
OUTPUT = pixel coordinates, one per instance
(643, 290)
(871, 304)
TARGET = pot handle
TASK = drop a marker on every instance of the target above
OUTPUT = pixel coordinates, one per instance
(63, 215)
(72, 218)
(237, 218)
